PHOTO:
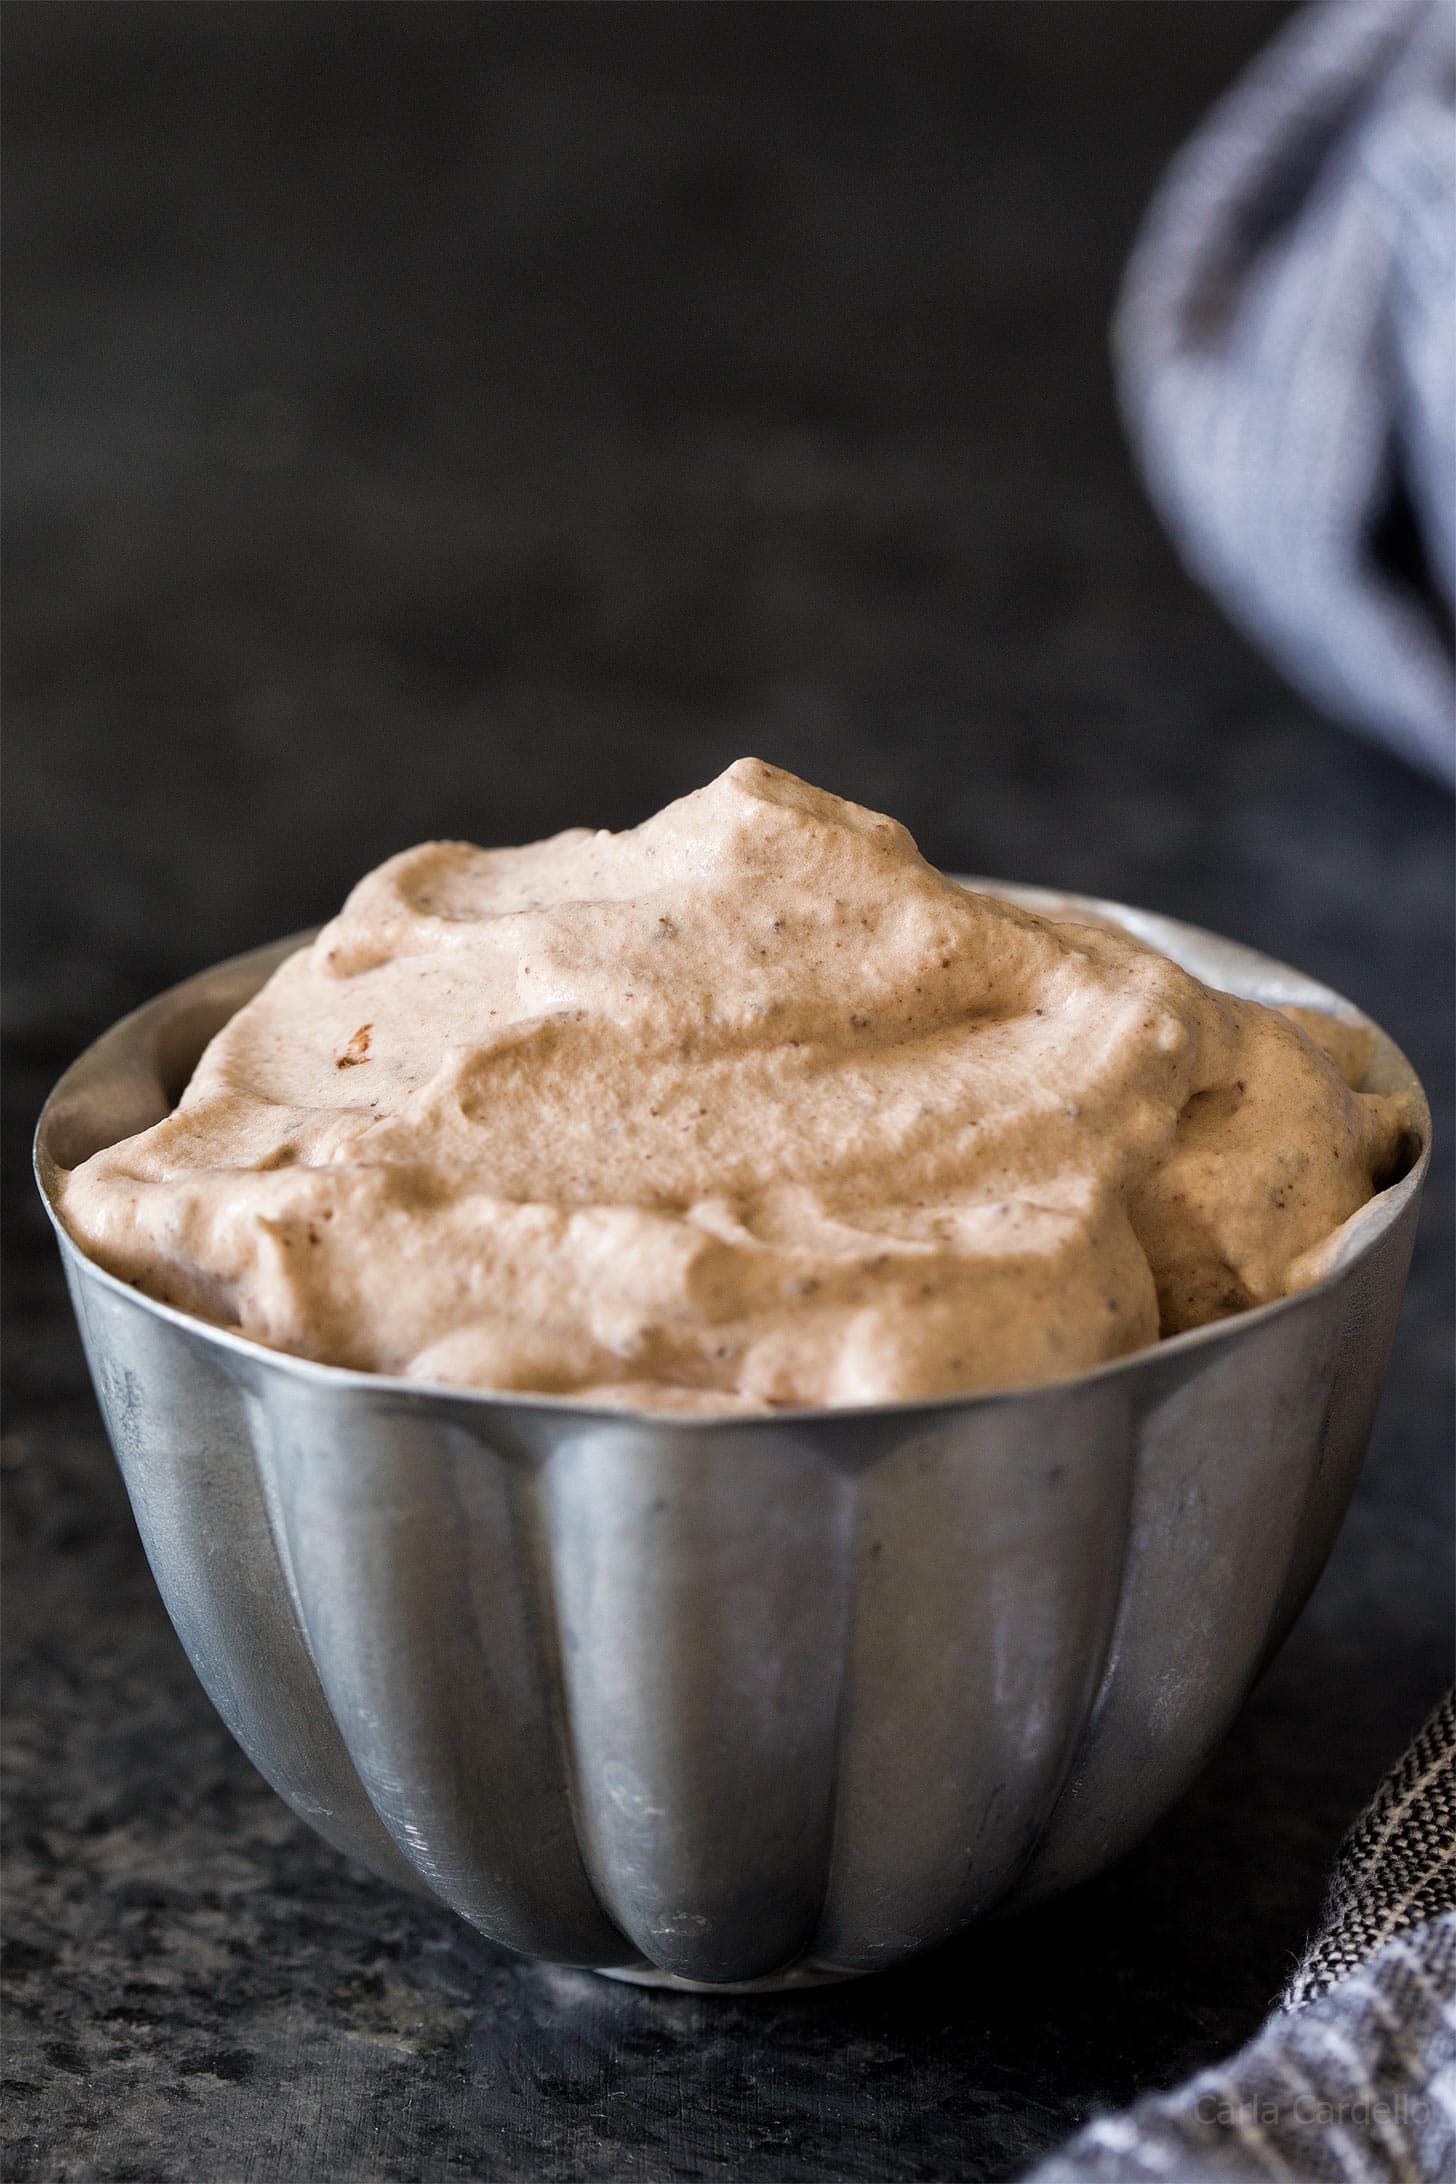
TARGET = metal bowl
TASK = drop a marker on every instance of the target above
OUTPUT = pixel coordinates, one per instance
(732, 1701)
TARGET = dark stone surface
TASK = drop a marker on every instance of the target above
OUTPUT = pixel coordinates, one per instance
(474, 421)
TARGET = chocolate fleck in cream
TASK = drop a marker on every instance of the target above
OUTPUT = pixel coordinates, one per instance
(748, 1106)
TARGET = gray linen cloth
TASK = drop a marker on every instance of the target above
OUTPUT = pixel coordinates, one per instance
(1353, 2080)
(1286, 351)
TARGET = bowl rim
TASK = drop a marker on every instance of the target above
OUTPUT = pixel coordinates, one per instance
(1364, 1230)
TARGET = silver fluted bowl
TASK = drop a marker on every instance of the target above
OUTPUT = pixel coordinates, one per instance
(729, 1701)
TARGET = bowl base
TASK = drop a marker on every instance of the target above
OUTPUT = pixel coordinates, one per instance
(798, 1975)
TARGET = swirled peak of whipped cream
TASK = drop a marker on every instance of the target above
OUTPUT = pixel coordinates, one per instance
(748, 1106)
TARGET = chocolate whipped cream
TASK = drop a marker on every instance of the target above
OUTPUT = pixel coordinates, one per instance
(747, 1106)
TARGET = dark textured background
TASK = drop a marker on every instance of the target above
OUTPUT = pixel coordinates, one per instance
(475, 420)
